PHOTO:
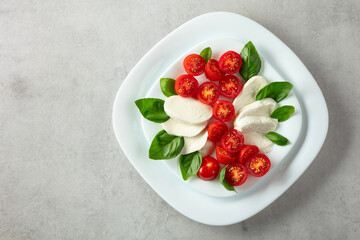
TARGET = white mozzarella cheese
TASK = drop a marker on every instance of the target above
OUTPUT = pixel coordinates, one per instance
(259, 124)
(187, 109)
(207, 149)
(263, 107)
(259, 140)
(192, 144)
(249, 91)
(183, 129)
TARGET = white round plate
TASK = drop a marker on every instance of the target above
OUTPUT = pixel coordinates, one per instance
(198, 200)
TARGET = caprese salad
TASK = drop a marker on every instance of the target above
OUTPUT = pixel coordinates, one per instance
(223, 126)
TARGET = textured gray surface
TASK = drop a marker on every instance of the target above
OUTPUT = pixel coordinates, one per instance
(62, 172)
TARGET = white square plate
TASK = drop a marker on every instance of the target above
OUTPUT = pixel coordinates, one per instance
(282, 63)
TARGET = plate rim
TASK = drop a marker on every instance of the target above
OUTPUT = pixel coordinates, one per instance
(160, 189)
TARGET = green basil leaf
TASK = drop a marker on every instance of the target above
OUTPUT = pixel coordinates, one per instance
(277, 139)
(152, 109)
(251, 61)
(283, 113)
(165, 146)
(206, 54)
(167, 86)
(223, 180)
(275, 90)
(190, 164)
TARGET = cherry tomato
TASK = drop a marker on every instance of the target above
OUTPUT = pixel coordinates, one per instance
(216, 130)
(246, 151)
(230, 86)
(230, 62)
(223, 111)
(236, 174)
(186, 85)
(212, 70)
(209, 169)
(223, 156)
(208, 93)
(258, 165)
(194, 64)
(232, 141)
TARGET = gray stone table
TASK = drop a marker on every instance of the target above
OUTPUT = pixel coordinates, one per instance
(62, 172)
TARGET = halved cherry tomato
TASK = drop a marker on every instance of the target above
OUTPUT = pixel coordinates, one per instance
(209, 169)
(223, 111)
(208, 93)
(246, 151)
(230, 62)
(216, 130)
(186, 85)
(236, 174)
(194, 64)
(258, 165)
(232, 141)
(230, 86)
(212, 70)
(223, 156)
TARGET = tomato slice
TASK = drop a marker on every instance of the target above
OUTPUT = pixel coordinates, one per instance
(232, 141)
(223, 111)
(216, 130)
(194, 64)
(246, 151)
(208, 93)
(223, 156)
(258, 165)
(230, 62)
(212, 70)
(230, 86)
(236, 174)
(186, 85)
(209, 169)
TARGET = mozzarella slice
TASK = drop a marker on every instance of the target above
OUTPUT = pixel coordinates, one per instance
(249, 91)
(192, 144)
(263, 107)
(259, 124)
(187, 109)
(207, 149)
(259, 140)
(182, 129)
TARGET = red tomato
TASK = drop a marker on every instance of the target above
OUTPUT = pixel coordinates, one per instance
(208, 93)
(212, 71)
(209, 169)
(194, 64)
(258, 164)
(216, 130)
(223, 111)
(230, 86)
(236, 174)
(230, 62)
(232, 141)
(223, 156)
(186, 85)
(246, 151)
